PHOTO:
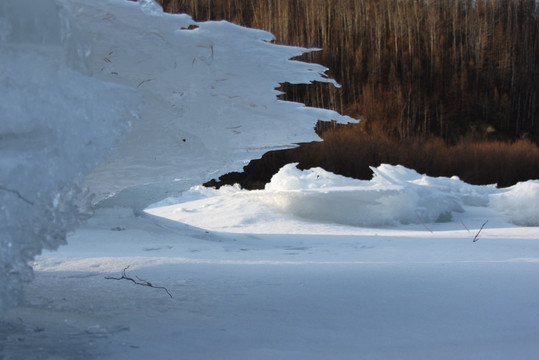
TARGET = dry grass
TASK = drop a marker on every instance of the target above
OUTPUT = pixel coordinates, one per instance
(351, 150)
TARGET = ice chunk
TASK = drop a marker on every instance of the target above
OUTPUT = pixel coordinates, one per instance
(520, 202)
(55, 126)
(394, 195)
(290, 177)
(150, 7)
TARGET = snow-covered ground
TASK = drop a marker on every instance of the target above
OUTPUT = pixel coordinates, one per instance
(254, 282)
(316, 266)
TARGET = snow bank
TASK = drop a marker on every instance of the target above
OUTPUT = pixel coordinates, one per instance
(395, 195)
(520, 202)
(51, 134)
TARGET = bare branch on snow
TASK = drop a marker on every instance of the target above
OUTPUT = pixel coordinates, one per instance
(477, 235)
(16, 193)
(140, 281)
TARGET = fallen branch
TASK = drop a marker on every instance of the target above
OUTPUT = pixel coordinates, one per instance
(17, 194)
(477, 235)
(140, 281)
(143, 81)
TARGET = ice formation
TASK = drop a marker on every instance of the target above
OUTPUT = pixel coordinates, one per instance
(394, 196)
(76, 74)
(51, 135)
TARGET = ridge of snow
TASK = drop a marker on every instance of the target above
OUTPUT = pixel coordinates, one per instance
(395, 196)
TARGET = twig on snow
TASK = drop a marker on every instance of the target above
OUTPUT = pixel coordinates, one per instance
(140, 281)
(16, 193)
(477, 235)
(143, 81)
(422, 223)
(463, 224)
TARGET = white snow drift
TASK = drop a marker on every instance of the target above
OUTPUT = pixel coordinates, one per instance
(394, 196)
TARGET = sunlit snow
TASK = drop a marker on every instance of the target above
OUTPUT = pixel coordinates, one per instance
(395, 196)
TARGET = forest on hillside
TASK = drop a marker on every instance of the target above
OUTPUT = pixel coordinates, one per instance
(447, 87)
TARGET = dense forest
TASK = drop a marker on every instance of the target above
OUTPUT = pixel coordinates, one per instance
(447, 87)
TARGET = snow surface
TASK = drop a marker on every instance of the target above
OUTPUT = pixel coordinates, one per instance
(249, 281)
(252, 275)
